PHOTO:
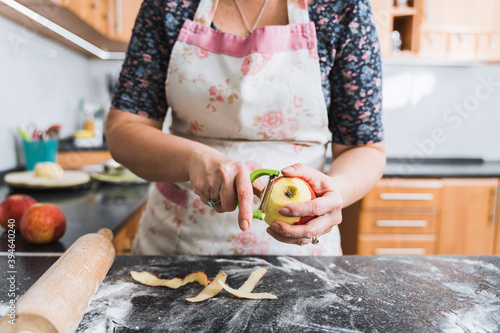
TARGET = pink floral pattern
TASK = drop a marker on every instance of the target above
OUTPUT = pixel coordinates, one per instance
(178, 212)
(200, 53)
(274, 125)
(248, 243)
(252, 64)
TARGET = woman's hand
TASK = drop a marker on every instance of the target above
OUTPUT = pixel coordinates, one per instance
(216, 177)
(327, 207)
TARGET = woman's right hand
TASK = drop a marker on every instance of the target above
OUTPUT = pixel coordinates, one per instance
(215, 177)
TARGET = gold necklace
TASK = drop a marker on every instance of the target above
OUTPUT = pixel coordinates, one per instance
(245, 20)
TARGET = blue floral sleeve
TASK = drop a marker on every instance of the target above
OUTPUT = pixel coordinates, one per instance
(356, 77)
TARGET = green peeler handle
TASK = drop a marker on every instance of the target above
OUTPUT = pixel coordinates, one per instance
(257, 173)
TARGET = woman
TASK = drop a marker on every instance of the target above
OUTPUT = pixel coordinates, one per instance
(251, 85)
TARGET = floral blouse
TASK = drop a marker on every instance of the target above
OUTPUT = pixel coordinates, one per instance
(349, 56)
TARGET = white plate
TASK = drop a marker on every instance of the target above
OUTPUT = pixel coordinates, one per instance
(27, 179)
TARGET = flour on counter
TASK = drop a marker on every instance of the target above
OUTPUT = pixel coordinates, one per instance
(109, 307)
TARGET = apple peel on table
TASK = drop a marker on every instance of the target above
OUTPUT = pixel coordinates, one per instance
(212, 287)
(211, 290)
(287, 190)
(153, 281)
(245, 291)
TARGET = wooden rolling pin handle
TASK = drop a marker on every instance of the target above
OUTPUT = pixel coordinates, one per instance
(106, 233)
(58, 300)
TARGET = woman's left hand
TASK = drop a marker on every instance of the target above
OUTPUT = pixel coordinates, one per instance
(327, 208)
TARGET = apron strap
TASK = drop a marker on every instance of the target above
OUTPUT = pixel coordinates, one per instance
(205, 12)
(297, 11)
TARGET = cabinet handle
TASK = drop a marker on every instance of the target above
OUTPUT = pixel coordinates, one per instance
(494, 216)
(402, 223)
(119, 17)
(400, 251)
(406, 196)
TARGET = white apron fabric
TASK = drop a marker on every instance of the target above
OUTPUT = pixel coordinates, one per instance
(257, 99)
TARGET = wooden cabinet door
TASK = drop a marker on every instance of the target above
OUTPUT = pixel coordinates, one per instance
(467, 214)
(383, 20)
(95, 13)
(404, 194)
(497, 218)
(124, 13)
(396, 245)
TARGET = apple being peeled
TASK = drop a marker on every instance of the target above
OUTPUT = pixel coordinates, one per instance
(288, 190)
(13, 208)
(43, 223)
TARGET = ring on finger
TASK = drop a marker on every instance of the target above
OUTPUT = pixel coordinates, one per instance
(212, 203)
(315, 240)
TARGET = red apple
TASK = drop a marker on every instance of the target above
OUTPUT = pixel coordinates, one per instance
(288, 190)
(13, 208)
(43, 223)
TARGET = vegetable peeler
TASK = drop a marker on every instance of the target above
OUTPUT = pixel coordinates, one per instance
(254, 175)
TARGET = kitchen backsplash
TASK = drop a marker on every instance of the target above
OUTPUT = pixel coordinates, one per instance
(442, 111)
(41, 84)
(429, 110)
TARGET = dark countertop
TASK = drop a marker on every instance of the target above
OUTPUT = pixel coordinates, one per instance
(438, 168)
(315, 294)
(441, 168)
(87, 209)
(68, 145)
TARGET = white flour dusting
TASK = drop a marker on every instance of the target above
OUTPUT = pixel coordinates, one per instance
(109, 306)
(4, 308)
(484, 316)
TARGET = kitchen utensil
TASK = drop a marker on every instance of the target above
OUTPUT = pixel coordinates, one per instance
(58, 300)
(53, 131)
(23, 133)
(254, 175)
(27, 179)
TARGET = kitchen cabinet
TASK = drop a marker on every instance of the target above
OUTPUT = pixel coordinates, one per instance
(112, 18)
(443, 29)
(95, 13)
(124, 236)
(106, 24)
(496, 250)
(74, 160)
(430, 216)
(124, 13)
(400, 216)
(402, 17)
(469, 217)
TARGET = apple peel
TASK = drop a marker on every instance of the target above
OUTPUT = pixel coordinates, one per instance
(211, 289)
(245, 291)
(153, 281)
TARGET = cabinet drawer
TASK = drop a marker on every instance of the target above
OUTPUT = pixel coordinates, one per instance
(74, 160)
(424, 194)
(397, 223)
(488, 46)
(434, 44)
(396, 244)
(462, 46)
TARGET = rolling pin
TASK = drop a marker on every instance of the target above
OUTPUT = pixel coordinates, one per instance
(58, 300)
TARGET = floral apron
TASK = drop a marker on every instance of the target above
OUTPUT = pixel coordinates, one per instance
(257, 99)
